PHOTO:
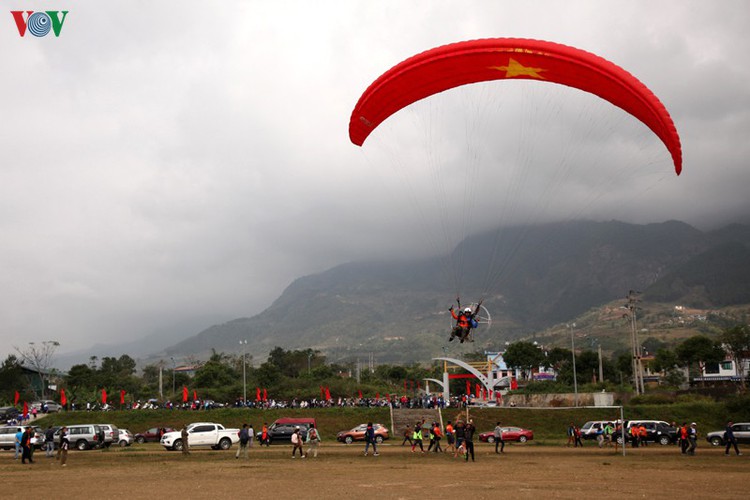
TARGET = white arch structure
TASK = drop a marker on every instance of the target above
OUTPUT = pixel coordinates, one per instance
(488, 380)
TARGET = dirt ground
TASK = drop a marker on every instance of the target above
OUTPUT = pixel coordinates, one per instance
(340, 471)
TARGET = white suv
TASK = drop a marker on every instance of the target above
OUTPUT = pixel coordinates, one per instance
(591, 428)
(8, 436)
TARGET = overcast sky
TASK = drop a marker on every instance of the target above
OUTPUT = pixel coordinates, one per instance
(168, 165)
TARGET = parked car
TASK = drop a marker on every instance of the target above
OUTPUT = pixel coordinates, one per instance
(202, 434)
(52, 406)
(8, 436)
(657, 431)
(126, 438)
(358, 434)
(81, 437)
(509, 434)
(741, 433)
(153, 434)
(282, 429)
(8, 413)
(111, 435)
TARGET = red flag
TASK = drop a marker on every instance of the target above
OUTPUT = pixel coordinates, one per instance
(104, 396)
(513, 384)
(15, 399)
(122, 396)
(468, 387)
(25, 410)
(63, 399)
(328, 393)
(195, 395)
(265, 394)
(257, 393)
(360, 394)
(377, 396)
(387, 396)
(184, 394)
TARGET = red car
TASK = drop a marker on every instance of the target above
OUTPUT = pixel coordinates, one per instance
(509, 434)
(358, 434)
(152, 435)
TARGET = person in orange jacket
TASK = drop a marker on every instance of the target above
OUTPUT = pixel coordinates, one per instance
(642, 435)
(464, 321)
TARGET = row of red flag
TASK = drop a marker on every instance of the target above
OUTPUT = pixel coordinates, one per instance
(64, 399)
(325, 393)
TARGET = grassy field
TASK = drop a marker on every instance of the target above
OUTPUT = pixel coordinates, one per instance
(341, 471)
(549, 425)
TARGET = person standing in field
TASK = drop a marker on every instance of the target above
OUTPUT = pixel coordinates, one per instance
(438, 434)
(64, 446)
(407, 436)
(692, 438)
(49, 442)
(577, 437)
(370, 440)
(571, 434)
(417, 438)
(450, 437)
(242, 449)
(185, 445)
(600, 437)
(608, 429)
(730, 439)
(264, 436)
(26, 446)
(499, 441)
(683, 434)
(619, 434)
(297, 443)
(460, 432)
(469, 439)
(17, 441)
(313, 440)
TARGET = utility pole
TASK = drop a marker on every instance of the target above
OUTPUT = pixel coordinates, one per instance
(243, 343)
(632, 307)
(573, 349)
(174, 369)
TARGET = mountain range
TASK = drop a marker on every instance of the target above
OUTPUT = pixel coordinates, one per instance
(529, 278)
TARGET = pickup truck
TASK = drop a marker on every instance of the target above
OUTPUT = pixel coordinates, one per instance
(202, 434)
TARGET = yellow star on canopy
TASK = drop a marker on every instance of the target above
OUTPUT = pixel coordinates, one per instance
(514, 68)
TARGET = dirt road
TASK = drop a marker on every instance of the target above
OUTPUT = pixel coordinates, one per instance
(524, 471)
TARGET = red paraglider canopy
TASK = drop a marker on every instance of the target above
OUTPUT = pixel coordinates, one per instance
(461, 63)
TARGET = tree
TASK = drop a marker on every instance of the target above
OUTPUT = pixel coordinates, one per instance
(524, 356)
(699, 350)
(116, 372)
(624, 365)
(216, 372)
(294, 363)
(11, 379)
(736, 341)
(557, 357)
(39, 357)
(664, 360)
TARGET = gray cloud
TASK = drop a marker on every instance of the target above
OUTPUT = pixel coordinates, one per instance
(179, 163)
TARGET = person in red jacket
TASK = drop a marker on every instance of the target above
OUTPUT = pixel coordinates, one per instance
(464, 321)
